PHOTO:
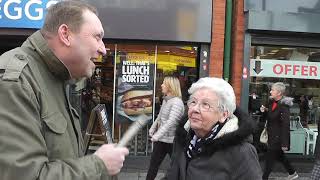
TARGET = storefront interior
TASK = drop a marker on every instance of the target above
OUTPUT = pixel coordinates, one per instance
(111, 80)
(303, 86)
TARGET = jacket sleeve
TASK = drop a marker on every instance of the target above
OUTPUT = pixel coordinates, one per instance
(285, 126)
(177, 152)
(175, 114)
(154, 126)
(22, 145)
(245, 164)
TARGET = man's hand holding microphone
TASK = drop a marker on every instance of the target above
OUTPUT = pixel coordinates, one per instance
(112, 156)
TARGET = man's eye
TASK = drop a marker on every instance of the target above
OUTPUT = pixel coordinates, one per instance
(98, 37)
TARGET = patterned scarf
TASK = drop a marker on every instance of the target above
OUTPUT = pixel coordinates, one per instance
(196, 144)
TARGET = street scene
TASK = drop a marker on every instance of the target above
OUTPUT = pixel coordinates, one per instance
(165, 90)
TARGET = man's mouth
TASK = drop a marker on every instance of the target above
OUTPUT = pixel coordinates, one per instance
(93, 59)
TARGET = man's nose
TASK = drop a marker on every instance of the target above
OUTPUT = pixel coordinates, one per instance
(102, 48)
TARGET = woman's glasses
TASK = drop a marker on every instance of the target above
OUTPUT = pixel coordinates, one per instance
(204, 105)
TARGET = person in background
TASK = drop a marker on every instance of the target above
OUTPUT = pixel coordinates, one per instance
(304, 110)
(315, 174)
(277, 115)
(40, 132)
(163, 129)
(214, 141)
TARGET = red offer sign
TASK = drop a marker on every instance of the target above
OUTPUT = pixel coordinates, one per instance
(284, 69)
(296, 69)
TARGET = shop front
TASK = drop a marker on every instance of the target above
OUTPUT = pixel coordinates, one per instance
(145, 41)
(136, 71)
(283, 45)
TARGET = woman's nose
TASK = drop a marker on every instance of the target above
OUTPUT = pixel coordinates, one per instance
(196, 108)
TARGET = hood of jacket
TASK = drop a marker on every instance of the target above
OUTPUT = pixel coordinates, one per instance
(286, 101)
(236, 130)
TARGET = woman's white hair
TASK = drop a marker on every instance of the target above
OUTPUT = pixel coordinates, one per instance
(223, 90)
(279, 86)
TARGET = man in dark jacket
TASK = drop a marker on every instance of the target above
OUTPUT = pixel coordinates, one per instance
(214, 143)
(40, 131)
(277, 116)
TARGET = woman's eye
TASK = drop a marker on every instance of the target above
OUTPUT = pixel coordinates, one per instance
(206, 105)
(192, 103)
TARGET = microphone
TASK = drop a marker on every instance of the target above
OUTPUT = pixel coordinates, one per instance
(133, 130)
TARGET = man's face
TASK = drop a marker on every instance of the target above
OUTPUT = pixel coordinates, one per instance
(86, 46)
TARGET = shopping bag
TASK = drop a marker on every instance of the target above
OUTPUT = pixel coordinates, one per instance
(264, 136)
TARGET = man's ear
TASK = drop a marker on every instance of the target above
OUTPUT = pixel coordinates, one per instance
(64, 34)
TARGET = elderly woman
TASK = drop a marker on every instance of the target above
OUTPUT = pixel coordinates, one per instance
(214, 143)
(278, 127)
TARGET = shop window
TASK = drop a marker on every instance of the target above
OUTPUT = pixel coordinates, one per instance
(298, 68)
(138, 71)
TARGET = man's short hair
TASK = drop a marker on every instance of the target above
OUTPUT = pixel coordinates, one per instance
(66, 12)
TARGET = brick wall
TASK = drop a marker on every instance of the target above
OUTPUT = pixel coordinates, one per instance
(217, 42)
(237, 46)
(217, 38)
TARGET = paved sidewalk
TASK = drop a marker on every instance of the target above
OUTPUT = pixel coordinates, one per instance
(142, 176)
(136, 167)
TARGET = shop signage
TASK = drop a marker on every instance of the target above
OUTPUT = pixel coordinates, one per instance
(23, 13)
(134, 92)
(284, 69)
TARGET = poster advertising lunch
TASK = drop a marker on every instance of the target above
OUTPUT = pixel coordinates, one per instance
(134, 96)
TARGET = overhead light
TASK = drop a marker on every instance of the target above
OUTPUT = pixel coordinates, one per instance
(167, 51)
(275, 50)
(287, 48)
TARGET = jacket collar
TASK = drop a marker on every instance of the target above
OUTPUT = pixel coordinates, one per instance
(37, 43)
(168, 97)
(238, 129)
(285, 100)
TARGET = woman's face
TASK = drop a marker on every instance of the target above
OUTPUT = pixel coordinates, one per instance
(164, 88)
(275, 94)
(203, 112)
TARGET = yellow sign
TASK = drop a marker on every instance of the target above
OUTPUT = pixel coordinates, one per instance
(177, 60)
(166, 62)
(137, 57)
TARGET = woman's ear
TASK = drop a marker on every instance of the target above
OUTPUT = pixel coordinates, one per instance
(225, 115)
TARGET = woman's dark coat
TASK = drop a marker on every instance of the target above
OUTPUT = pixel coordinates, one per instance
(278, 123)
(229, 157)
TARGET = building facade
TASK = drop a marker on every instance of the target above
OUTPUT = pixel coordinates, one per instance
(145, 41)
(280, 43)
